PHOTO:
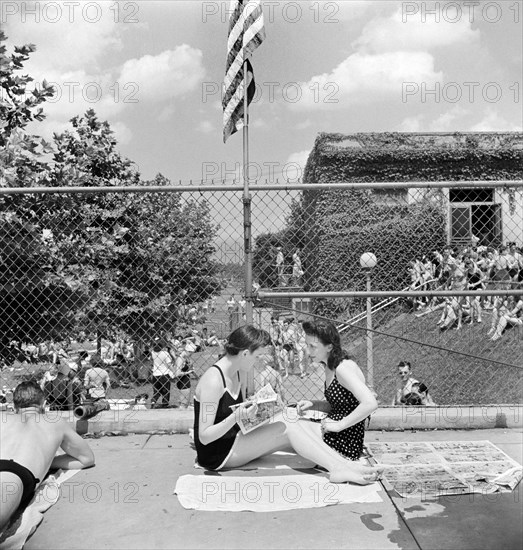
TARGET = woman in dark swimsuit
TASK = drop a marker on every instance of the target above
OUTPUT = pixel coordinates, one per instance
(348, 400)
(218, 439)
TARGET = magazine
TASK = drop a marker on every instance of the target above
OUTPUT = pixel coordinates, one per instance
(269, 404)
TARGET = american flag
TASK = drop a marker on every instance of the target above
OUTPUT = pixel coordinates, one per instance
(246, 33)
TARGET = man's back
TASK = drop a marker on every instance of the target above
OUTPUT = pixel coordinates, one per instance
(31, 439)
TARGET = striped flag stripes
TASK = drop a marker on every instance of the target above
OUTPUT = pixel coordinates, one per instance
(246, 33)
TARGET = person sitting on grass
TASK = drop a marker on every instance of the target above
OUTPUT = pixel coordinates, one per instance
(510, 313)
(28, 445)
(220, 443)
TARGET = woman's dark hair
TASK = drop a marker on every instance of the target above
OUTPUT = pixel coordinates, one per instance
(246, 337)
(28, 394)
(327, 334)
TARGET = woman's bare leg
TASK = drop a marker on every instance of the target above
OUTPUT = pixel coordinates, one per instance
(305, 439)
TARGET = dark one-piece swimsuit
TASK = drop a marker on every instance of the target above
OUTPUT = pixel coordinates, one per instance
(29, 481)
(214, 454)
(348, 442)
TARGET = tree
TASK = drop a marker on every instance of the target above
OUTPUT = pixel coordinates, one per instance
(131, 253)
(20, 153)
(112, 261)
(36, 300)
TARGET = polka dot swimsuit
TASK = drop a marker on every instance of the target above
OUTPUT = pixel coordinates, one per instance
(348, 442)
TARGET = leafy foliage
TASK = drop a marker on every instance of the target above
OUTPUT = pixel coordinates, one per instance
(96, 261)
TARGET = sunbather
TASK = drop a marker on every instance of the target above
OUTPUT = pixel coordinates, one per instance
(28, 446)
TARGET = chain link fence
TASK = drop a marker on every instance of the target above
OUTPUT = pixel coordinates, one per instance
(95, 283)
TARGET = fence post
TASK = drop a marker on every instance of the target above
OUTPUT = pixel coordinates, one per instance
(247, 226)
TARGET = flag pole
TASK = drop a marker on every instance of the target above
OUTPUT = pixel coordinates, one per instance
(247, 220)
(247, 202)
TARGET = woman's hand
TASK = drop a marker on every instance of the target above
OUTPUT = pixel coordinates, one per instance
(303, 405)
(246, 411)
(329, 425)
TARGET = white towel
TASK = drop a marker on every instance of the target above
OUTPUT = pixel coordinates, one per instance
(24, 525)
(268, 493)
(280, 460)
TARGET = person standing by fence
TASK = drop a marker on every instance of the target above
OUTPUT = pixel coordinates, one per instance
(162, 374)
(280, 260)
(297, 270)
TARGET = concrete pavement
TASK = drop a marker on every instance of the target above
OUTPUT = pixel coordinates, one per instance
(127, 501)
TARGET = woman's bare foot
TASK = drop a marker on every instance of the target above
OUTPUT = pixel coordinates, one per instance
(356, 473)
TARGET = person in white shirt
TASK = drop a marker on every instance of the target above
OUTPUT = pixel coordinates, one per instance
(231, 303)
(280, 259)
(163, 373)
(96, 380)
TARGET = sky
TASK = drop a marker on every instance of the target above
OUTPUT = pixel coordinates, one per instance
(154, 70)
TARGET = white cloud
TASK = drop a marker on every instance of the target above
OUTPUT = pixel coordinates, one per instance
(449, 120)
(411, 124)
(391, 51)
(295, 165)
(122, 133)
(494, 122)
(365, 78)
(399, 32)
(205, 127)
(307, 123)
(326, 12)
(170, 74)
(258, 122)
(67, 34)
(167, 113)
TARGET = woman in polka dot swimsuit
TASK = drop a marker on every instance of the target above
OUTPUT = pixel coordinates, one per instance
(348, 399)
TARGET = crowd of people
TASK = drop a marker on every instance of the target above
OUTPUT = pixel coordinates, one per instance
(70, 377)
(472, 268)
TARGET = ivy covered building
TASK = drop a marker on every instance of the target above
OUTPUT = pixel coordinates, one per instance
(337, 226)
(493, 215)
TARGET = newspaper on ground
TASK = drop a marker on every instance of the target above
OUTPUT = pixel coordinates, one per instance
(437, 468)
(269, 404)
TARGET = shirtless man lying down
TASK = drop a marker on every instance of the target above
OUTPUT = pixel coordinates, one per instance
(28, 444)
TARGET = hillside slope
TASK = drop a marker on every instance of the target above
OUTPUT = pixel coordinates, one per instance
(459, 367)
